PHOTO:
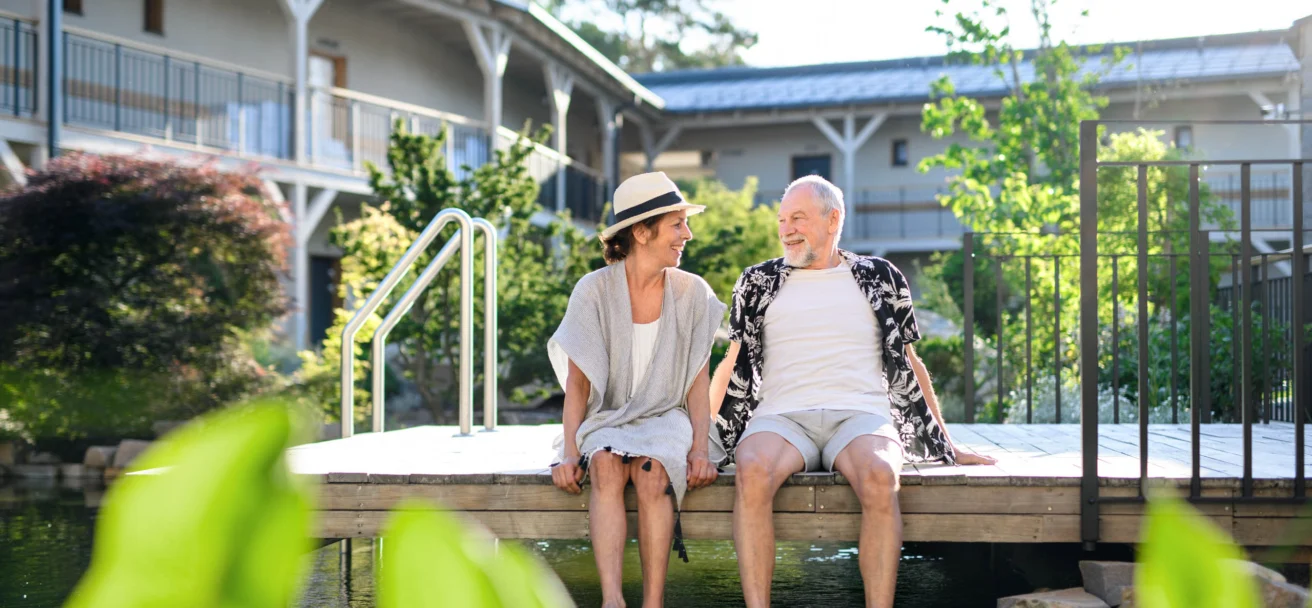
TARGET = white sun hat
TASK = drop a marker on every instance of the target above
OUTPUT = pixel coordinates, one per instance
(646, 195)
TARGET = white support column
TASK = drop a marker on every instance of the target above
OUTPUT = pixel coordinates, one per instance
(848, 144)
(491, 47)
(1295, 108)
(608, 119)
(43, 66)
(300, 269)
(560, 89)
(308, 217)
(298, 14)
(653, 148)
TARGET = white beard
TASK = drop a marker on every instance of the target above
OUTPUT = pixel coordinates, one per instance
(800, 259)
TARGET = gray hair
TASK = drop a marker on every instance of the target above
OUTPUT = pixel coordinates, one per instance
(829, 196)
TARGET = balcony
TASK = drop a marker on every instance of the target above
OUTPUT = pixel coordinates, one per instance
(122, 87)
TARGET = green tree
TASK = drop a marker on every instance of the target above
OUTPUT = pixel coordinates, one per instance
(534, 278)
(651, 35)
(1015, 182)
(730, 235)
(130, 290)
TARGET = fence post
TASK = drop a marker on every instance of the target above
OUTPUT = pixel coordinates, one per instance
(968, 310)
(18, 65)
(356, 161)
(118, 87)
(1089, 532)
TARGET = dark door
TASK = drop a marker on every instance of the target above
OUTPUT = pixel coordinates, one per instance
(811, 165)
(324, 272)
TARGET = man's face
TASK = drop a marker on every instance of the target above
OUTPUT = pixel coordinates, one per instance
(804, 229)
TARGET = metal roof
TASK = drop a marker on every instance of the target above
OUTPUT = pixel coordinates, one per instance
(1226, 57)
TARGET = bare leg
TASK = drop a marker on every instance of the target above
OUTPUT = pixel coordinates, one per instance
(764, 462)
(608, 524)
(872, 465)
(655, 528)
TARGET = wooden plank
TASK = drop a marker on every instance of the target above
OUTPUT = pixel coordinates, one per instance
(1125, 528)
(1272, 532)
(369, 497)
(983, 500)
(719, 526)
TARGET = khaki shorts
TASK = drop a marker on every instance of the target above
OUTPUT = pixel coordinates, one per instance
(821, 434)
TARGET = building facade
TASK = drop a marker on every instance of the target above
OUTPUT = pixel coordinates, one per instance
(308, 91)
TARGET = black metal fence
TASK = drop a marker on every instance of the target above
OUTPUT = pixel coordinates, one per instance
(1274, 321)
(1200, 258)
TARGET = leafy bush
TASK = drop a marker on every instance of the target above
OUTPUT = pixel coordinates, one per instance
(121, 272)
(534, 276)
(219, 520)
(732, 234)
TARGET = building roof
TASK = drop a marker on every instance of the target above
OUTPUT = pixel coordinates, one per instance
(1210, 58)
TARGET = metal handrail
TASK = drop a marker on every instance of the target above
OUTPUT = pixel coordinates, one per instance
(385, 288)
(407, 301)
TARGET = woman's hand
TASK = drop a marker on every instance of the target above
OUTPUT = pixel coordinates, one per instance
(967, 457)
(700, 470)
(567, 475)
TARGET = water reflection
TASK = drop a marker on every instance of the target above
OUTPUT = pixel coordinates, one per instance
(46, 532)
(806, 574)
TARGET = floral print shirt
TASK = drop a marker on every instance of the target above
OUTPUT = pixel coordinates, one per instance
(889, 293)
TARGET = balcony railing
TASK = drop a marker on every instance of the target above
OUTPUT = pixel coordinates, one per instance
(112, 86)
(18, 52)
(117, 85)
(1271, 193)
(904, 213)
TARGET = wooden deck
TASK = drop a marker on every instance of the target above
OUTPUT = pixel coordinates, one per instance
(1032, 495)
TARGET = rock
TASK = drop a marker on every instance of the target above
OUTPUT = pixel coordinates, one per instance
(43, 458)
(1066, 598)
(100, 456)
(1127, 597)
(1107, 580)
(112, 473)
(1261, 573)
(1279, 594)
(127, 451)
(72, 471)
(36, 471)
(162, 427)
(8, 453)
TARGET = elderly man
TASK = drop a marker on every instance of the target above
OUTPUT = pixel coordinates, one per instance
(820, 376)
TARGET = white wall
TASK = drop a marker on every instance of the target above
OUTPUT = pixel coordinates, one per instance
(766, 151)
(27, 8)
(245, 32)
(397, 60)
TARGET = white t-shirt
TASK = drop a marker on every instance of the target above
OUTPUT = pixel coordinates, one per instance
(823, 347)
(644, 344)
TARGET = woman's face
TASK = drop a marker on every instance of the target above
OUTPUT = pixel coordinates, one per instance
(664, 242)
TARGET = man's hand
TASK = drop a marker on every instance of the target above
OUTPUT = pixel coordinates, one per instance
(967, 457)
(567, 475)
(700, 470)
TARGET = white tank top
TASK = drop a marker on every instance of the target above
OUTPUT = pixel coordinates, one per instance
(644, 344)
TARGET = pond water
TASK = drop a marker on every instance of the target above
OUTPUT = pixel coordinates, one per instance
(46, 533)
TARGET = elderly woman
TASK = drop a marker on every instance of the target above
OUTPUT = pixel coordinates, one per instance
(632, 354)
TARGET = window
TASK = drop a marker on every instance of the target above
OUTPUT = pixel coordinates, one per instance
(811, 165)
(1184, 137)
(154, 16)
(73, 6)
(899, 153)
